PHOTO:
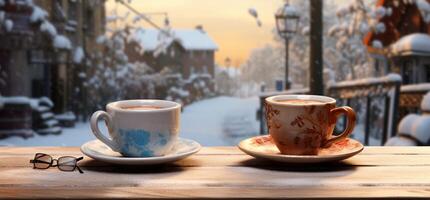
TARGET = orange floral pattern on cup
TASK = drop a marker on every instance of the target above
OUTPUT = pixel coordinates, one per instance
(304, 129)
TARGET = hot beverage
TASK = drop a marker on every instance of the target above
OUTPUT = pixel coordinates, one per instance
(299, 102)
(141, 107)
(303, 124)
(139, 134)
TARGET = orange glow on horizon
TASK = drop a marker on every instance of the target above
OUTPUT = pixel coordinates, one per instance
(227, 22)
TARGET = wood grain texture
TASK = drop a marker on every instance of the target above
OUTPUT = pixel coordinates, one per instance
(221, 172)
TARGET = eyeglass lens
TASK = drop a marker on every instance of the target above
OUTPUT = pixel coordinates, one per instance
(42, 161)
(67, 163)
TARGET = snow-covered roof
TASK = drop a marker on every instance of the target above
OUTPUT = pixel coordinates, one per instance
(413, 44)
(190, 39)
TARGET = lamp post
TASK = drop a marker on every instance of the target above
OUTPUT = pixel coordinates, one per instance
(287, 20)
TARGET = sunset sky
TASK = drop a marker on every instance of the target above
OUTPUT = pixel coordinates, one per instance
(226, 21)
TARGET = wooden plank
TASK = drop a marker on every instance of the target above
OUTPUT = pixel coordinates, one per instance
(174, 176)
(216, 192)
(408, 181)
(221, 172)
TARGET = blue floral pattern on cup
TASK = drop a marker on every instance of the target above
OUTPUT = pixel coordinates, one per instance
(141, 143)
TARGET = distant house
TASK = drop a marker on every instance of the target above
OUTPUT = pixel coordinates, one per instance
(188, 51)
(405, 42)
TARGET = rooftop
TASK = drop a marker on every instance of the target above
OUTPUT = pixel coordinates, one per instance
(189, 39)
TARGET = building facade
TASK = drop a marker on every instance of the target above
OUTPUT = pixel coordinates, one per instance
(41, 54)
(191, 51)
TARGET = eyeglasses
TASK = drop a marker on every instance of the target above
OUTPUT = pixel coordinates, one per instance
(65, 163)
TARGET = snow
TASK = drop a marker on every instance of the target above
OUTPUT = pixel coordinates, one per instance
(415, 87)
(101, 39)
(377, 44)
(203, 121)
(38, 14)
(190, 39)
(425, 103)
(48, 28)
(380, 11)
(306, 30)
(46, 101)
(2, 16)
(400, 141)
(343, 10)
(423, 5)
(290, 11)
(78, 55)
(33, 103)
(392, 77)
(179, 91)
(413, 44)
(232, 72)
(380, 27)
(8, 24)
(420, 129)
(406, 124)
(66, 116)
(62, 42)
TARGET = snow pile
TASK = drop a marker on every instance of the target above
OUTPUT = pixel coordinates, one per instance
(62, 42)
(425, 103)
(78, 55)
(400, 141)
(392, 77)
(47, 27)
(32, 102)
(406, 124)
(38, 14)
(413, 44)
(8, 24)
(424, 8)
(420, 129)
(66, 116)
(46, 101)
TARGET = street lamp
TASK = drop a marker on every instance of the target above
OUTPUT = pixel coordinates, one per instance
(287, 21)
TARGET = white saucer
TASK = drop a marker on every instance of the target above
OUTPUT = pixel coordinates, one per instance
(263, 147)
(99, 151)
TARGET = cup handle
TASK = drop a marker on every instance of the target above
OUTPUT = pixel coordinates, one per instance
(350, 115)
(96, 131)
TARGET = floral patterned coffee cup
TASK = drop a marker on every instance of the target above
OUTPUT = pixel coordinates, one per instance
(302, 124)
(139, 128)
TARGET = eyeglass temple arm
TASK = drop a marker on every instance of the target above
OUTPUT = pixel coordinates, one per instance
(39, 161)
(77, 167)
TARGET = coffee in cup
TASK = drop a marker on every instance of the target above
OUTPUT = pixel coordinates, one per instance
(139, 128)
(302, 124)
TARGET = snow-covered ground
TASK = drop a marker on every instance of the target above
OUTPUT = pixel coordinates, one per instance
(212, 122)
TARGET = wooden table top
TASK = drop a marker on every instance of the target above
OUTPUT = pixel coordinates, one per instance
(221, 172)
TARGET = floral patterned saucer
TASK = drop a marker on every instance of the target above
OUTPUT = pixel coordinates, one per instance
(263, 147)
(99, 151)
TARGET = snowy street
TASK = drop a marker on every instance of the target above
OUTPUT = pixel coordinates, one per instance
(212, 122)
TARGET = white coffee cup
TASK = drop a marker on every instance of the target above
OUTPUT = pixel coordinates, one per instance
(139, 128)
